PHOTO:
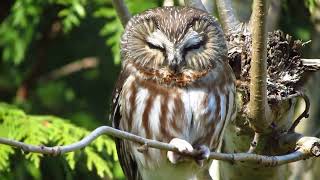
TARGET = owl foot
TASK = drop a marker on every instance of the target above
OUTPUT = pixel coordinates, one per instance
(182, 146)
(204, 152)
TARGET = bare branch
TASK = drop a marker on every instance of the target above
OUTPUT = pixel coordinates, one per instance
(195, 3)
(304, 114)
(87, 140)
(311, 62)
(122, 11)
(306, 147)
(85, 63)
(260, 159)
(258, 106)
(209, 5)
(229, 21)
(254, 143)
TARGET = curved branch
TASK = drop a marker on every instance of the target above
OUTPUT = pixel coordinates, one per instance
(122, 11)
(304, 114)
(307, 147)
(229, 21)
(195, 3)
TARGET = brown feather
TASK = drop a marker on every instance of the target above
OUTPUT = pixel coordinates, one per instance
(193, 101)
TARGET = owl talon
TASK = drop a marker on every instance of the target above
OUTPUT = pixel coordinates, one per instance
(204, 154)
(204, 151)
(182, 146)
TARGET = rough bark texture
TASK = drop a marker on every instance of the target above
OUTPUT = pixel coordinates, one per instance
(258, 89)
(285, 69)
(285, 72)
(285, 76)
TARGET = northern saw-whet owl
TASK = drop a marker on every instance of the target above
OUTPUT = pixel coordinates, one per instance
(175, 86)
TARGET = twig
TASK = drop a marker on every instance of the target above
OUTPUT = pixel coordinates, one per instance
(87, 140)
(229, 21)
(304, 114)
(291, 96)
(307, 147)
(306, 43)
(195, 3)
(260, 159)
(122, 11)
(254, 143)
(311, 62)
(85, 63)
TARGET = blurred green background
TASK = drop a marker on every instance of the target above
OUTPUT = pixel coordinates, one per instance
(61, 58)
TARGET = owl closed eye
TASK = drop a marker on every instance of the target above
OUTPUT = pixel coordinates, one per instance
(175, 87)
(173, 41)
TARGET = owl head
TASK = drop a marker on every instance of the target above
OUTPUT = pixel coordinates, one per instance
(173, 39)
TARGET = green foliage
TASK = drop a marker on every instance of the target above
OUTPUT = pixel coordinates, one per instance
(295, 19)
(113, 28)
(18, 29)
(72, 12)
(311, 4)
(49, 130)
(84, 29)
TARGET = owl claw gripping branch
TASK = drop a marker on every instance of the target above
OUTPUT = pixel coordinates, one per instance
(175, 86)
(184, 146)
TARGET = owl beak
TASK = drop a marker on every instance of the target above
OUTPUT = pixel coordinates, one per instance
(175, 62)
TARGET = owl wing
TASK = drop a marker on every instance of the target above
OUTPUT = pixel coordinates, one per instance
(128, 164)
